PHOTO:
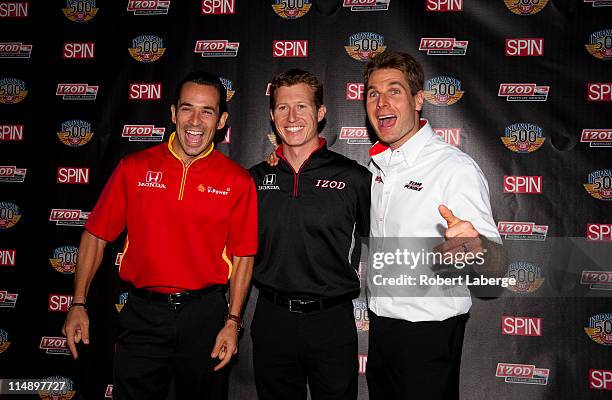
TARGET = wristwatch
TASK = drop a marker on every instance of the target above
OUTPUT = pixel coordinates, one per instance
(236, 319)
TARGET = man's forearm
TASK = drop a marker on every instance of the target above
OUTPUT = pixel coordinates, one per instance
(91, 250)
(240, 283)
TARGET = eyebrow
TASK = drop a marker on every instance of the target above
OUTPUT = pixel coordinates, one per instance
(392, 83)
(191, 105)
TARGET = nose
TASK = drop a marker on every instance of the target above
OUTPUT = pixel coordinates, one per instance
(292, 114)
(195, 117)
(382, 101)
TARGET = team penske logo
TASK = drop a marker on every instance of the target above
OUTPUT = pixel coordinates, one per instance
(600, 184)
(355, 135)
(68, 217)
(61, 388)
(54, 345)
(597, 280)
(599, 328)
(443, 46)
(523, 137)
(4, 341)
(367, 5)
(10, 173)
(143, 133)
(528, 277)
(268, 183)
(229, 88)
(147, 48)
(12, 90)
(597, 137)
(522, 230)
(365, 45)
(360, 311)
(600, 44)
(80, 10)
(599, 3)
(9, 215)
(76, 91)
(153, 179)
(526, 7)
(443, 90)
(148, 7)
(15, 50)
(75, 132)
(523, 92)
(8, 300)
(121, 300)
(522, 373)
(216, 48)
(64, 259)
(291, 9)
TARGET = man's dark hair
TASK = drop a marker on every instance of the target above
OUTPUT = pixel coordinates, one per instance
(293, 77)
(203, 78)
(404, 62)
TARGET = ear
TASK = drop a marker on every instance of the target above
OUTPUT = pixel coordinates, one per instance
(272, 115)
(321, 113)
(173, 112)
(418, 100)
(222, 120)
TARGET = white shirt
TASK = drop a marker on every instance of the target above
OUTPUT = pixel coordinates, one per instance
(444, 175)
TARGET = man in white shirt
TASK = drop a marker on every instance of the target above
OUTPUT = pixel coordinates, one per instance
(415, 342)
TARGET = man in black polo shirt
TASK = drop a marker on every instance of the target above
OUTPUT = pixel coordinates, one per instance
(313, 207)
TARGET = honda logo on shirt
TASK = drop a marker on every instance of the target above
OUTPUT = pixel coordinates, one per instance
(269, 179)
(154, 177)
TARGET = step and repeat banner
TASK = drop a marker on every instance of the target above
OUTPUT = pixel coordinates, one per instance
(523, 86)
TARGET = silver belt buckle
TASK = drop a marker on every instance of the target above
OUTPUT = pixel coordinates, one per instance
(297, 301)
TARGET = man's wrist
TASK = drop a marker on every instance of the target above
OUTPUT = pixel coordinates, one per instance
(235, 320)
(78, 304)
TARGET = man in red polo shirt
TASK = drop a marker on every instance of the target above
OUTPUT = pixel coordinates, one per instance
(191, 217)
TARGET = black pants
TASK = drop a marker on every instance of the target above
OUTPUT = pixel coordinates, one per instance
(291, 350)
(157, 342)
(414, 360)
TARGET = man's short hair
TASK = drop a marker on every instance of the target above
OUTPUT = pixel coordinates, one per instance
(203, 78)
(293, 77)
(404, 62)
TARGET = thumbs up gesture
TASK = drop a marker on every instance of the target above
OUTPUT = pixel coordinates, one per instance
(460, 235)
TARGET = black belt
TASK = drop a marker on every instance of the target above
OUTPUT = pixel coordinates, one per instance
(304, 305)
(174, 298)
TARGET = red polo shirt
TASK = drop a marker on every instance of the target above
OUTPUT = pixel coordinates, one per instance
(183, 223)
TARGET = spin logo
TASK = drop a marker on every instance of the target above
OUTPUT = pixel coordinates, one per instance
(523, 137)
(523, 92)
(9, 215)
(355, 91)
(121, 300)
(360, 311)
(522, 184)
(600, 184)
(14, 9)
(75, 133)
(62, 388)
(7, 257)
(64, 259)
(526, 7)
(4, 341)
(145, 91)
(12, 90)
(148, 7)
(522, 230)
(80, 10)
(291, 9)
(597, 280)
(443, 46)
(528, 277)
(443, 5)
(600, 379)
(365, 45)
(8, 300)
(147, 48)
(143, 133)
(290, 48)
(451, 136)
(218, 7)
(443, 91)
(599, 328)
(59, 302)
(76, 91)
(10, 133)
(15, 50)
(597, 137)
(10, 173)
(216, 48)
(524, 47)
(367, 5)
(54, 345)
(229, 88)
(522, 373)
(68, 217)
(79, 50)
(600, 44)
(601, 91)
(355, 135)
(73, 175)
(599, 232)
(521, 326)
